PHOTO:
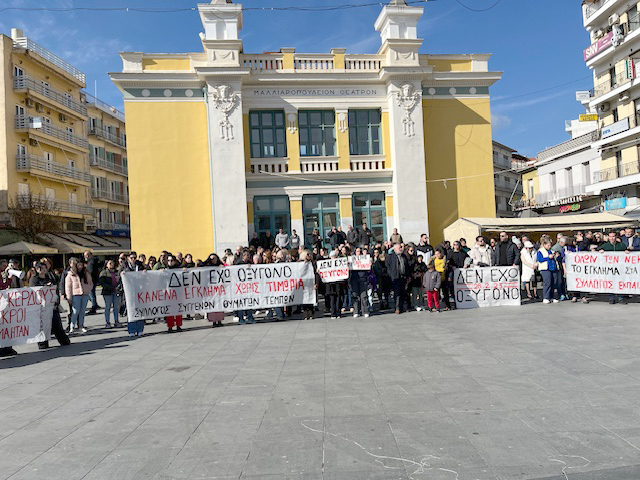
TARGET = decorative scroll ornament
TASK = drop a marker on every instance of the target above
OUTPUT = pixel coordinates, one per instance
(408, 99)
(291, 119)
(226, 101)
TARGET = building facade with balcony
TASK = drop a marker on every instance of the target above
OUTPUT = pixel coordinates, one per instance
(109, 167)
(614, 58)
(43, 138)
(507, 179)
(227, 143)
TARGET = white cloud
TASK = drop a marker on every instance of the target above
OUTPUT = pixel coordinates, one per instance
(499, 122)
(527, 103)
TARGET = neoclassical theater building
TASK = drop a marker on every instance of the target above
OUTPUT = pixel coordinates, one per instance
(224, 143)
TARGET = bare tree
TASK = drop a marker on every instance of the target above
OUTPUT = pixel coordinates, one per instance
(34, 215)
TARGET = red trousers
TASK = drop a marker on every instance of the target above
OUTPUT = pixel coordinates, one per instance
(177, 321)
(433, 297)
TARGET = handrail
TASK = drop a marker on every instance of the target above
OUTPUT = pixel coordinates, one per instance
(102, 194)
(109, 137)
(24, 82)
(53, 204)
(24, 122)
(28, 162)
(29, 44)
(102, 162)
(111, 110)
(619, 171)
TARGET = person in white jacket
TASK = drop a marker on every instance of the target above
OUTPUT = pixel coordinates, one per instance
(529, 265)
(480, 254)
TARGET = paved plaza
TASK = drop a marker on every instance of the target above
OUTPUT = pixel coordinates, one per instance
(532, 392)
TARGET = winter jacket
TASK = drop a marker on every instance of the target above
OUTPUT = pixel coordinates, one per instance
(396, 238)
(352, 237)
(459, 258)
(393, 267)
(432, 281)
(634, 241)
(419, 270)
(74, 285)
(613, 247)
(481, 256)
(513, 254)
(282, 240)
(106, 281)
(364, 236)
(294, 241)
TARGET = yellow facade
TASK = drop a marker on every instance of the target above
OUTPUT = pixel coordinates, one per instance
(168, 191)
(451, 65)
(458, 147)
(166, 64)
(47, 159)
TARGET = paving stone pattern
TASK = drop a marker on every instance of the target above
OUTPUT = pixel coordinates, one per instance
(535, 392)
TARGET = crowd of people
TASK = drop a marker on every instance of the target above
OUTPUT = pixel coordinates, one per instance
(411, 276)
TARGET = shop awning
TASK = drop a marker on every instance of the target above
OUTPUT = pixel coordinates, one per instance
(470, 228)
(26, 248)
(77, 243)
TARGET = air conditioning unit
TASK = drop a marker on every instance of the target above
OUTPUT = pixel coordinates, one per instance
(605, 107)
(30, 103)
(599, 33)
(624, 96)
(63, 118)
(33, 142)
(614, 19)
(39, 107)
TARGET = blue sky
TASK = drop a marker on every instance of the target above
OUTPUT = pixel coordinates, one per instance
(538, 45)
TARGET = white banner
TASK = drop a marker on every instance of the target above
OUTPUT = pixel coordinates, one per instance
(609, 272)
(486, 287)
(360, 262)
(333, 270)
(25, 315)
(163, 293)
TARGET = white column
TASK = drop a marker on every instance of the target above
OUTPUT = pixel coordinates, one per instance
(410, 213)
(297, 224)
(226, 155)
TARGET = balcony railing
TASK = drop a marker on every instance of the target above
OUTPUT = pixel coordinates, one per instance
(619, 171)
(269, 165)
(108, 196)
(319, 164)
(28, 163)
(32, 46)
(608, 85)
(111, 110)
(593, 7)
(560, 194)
(25, 201)
(305, 63)
(367, 165)
(371, 63)
(105, 164)
(25, 82)
(26, 122)
(569, 145)
(108, 136)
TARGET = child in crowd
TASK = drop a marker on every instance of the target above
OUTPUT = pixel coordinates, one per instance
(431, 281)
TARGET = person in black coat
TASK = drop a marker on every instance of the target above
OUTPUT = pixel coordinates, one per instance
(383, 280)
(506, 253)
(458, 256)
(93, 267)
(45, 278)
(397, 269)
(364, 235)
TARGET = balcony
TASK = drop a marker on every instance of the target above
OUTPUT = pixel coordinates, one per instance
(38, 166)
(26, 122)
(26, 83)
(568, 146)
(319, 164)
(609, 85)
(502, 185)
(373, 164)
(107, 196)
(55, 205)
(105, 107)
(105, 164)
(33, 47)
(560, 196)
(619, 171)
(269, 165)
(274, 62)
(107, 136)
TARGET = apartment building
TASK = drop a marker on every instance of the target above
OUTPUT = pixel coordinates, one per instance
(614, 58)
(61, 146)
(507, 179)
(253, 142)
(44, 147)
(109, 167)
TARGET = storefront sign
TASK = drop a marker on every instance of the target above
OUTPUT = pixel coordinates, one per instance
(609, 272)
(25, 315)
(486, 287)
(570, 208)
(597, 47)
(616, 203)
(615, 128)
(333, 270)
(317, 92)
(218, 289)
(362, 262)
(588, 117)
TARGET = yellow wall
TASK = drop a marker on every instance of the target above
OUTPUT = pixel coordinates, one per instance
(338, 61)
(293, 145)
(389, 204)
(533, 175)
(178, 64)
(296, 209)
(386, 139)
(346, 207)
(169, 177)
(443, 65)
(250, 213)
(458, 143)
(342, 144)
(608, 159)
(630, 155)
